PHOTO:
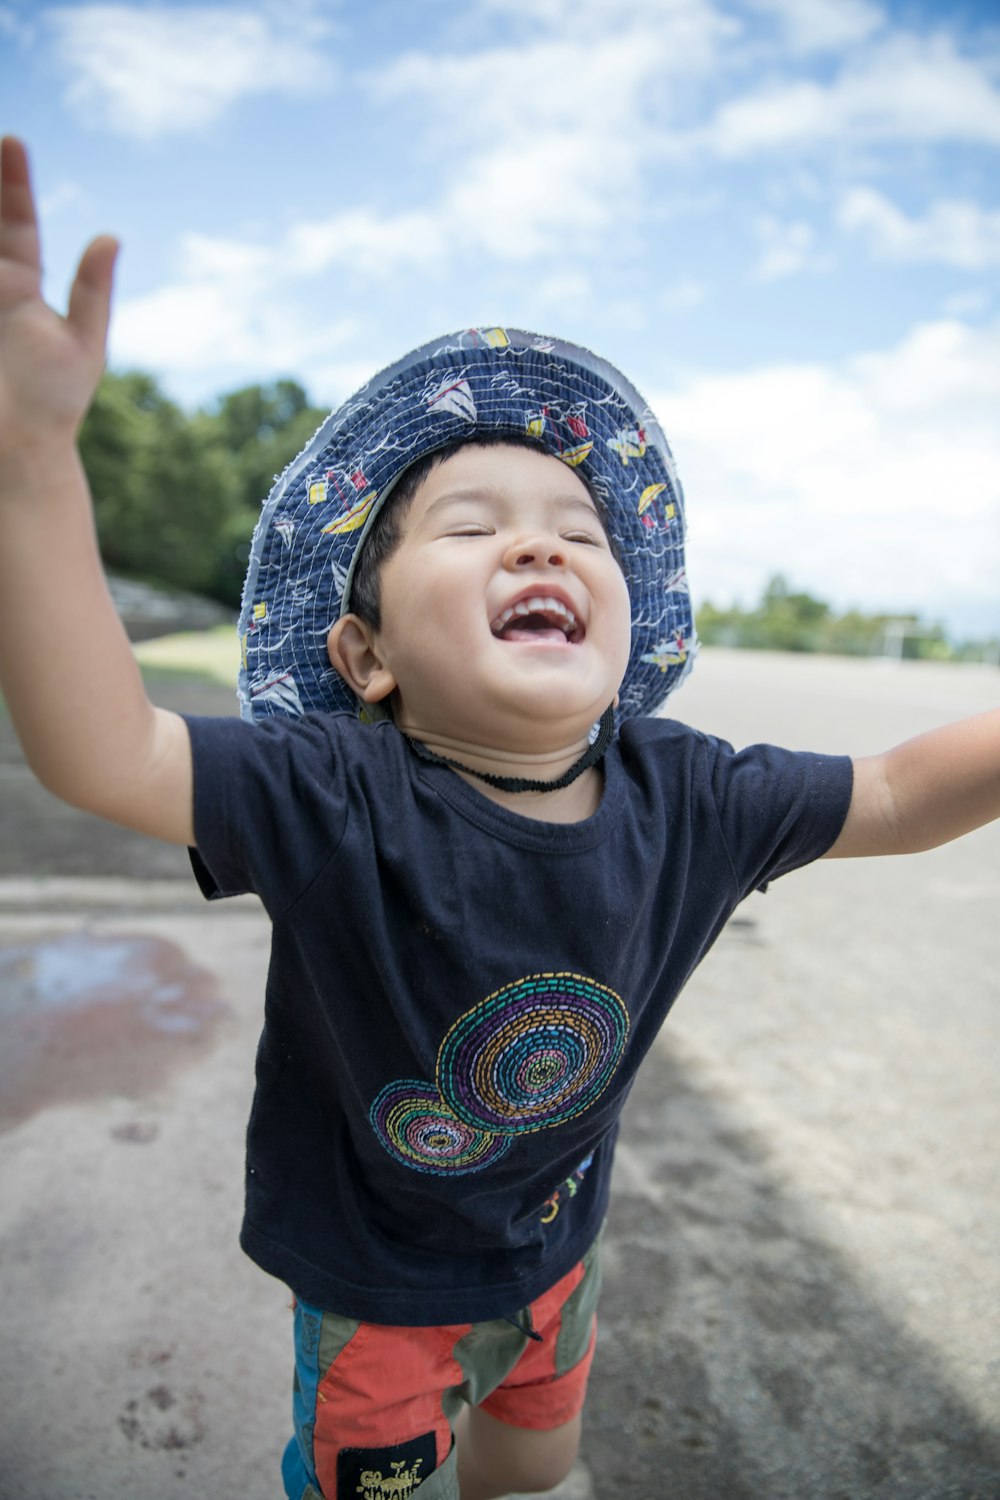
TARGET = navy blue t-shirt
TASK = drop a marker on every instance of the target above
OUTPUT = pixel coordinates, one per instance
(459, 996)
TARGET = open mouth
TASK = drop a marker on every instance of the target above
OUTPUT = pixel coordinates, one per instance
(538, 618)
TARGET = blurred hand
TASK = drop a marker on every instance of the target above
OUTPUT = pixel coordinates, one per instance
(49, 365)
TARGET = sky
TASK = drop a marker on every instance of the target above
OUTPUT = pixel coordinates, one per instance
(780, 218)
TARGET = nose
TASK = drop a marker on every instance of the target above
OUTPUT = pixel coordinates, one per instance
(535, 551)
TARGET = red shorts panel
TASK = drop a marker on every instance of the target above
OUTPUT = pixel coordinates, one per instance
(538, 1393)
(373, 1399)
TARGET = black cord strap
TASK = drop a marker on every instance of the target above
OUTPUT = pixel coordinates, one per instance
(589, 758)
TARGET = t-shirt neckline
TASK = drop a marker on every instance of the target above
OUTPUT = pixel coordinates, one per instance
(513, 827)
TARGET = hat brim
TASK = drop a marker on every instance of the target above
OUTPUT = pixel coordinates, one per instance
(464, 385)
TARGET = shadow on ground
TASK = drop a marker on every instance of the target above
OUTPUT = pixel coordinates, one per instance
(740, 1357)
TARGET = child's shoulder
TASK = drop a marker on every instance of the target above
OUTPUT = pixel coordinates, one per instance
(661, 735)
(329, 739)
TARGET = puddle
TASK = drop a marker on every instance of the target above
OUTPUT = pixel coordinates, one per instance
(83, 1016)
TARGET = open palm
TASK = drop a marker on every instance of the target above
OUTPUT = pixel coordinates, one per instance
(49, 365)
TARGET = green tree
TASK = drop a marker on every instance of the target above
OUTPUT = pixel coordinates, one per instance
(790, 620)
(176, 497)
(721, 627)
(263, 427)
(164, 494)
(787, 620)
(260, 428)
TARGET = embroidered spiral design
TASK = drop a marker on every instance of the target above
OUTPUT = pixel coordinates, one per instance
(417, 1127)
(533, 1054)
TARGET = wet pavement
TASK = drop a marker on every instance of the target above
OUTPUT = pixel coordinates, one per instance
(802, 1285)
(84, 1016)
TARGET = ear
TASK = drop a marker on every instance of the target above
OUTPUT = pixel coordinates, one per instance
(352, 649)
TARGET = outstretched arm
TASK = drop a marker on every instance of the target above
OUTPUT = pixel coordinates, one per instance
(925, 792)
(67, 671)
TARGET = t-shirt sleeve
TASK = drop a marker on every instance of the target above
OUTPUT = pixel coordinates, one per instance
(269, 806)
(777, 809)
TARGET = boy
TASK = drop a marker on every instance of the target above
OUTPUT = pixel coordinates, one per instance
(482, 909)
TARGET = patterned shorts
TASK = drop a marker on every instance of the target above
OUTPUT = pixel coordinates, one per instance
(374, 1406)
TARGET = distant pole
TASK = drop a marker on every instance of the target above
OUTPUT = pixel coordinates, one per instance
(892, 641)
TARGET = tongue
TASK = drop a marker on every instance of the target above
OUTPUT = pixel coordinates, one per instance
(533, 633)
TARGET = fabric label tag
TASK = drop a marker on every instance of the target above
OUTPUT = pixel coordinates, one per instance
(386, 1473)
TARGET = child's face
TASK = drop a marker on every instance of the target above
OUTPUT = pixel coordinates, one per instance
(505, 618)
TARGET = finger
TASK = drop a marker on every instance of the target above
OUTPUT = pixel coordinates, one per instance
(19, 239)
(90, 295)
(17, 201)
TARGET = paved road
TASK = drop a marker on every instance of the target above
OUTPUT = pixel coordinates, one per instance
(802, 1284)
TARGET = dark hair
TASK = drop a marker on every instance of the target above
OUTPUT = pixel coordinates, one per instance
(387, 529)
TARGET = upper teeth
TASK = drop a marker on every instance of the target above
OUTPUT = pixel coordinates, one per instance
(540, 604)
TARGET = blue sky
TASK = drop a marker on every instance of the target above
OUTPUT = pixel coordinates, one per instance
(781, 218)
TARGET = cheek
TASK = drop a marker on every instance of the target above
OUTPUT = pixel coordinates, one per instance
(428, 623)
(624, 618)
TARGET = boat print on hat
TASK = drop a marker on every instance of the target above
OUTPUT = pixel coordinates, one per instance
(668, 654)
(454, 396)
(569, 432)
(352, 519)
(654, 511)
(492, 338)
(351, 490)
(629, 443)
(280, 689)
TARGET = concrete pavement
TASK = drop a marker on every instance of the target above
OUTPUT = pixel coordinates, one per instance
(801, 1285)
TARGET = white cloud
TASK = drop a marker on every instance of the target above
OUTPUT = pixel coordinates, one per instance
(683, 295)
(592, 66)
(942, 372)
(509, 94)
(538, 146)
(64, 196)
(168, 70)
(551, 140)
(204, 257)
(906, 88)
(511, 204)
(562, 132)
(224, 314)
(373, 245)
(182, 326)
(822, 25)
(875, 481)
(692, 21)
(550, 151)
(523, 201)
(565, 290)
(975, 302)
(955, 231)
(787, 249)
(222, 309)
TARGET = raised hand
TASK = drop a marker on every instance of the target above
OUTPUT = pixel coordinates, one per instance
(49, 365)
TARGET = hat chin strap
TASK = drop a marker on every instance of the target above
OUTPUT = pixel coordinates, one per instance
(590, 757)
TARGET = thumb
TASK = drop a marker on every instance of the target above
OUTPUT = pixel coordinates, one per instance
(90, 295)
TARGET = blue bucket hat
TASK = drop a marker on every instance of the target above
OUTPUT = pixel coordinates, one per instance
(463, 385)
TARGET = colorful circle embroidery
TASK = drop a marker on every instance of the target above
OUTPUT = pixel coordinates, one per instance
(533, 1054)
(416, 1127)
